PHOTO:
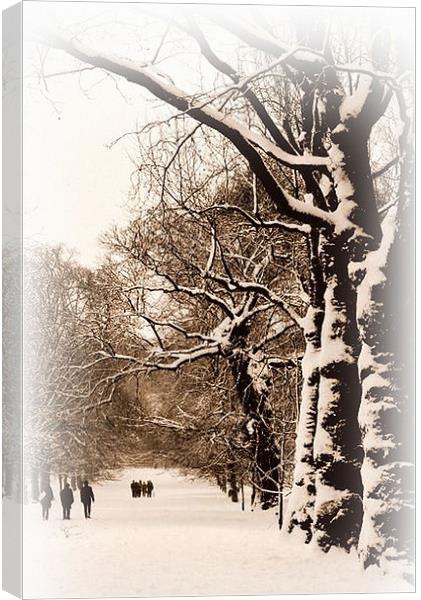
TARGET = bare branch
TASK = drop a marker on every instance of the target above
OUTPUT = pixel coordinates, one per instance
(257, 221)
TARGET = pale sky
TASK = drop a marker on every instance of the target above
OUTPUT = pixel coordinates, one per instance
(75, 186)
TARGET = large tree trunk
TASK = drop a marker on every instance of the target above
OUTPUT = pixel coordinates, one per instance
(385, 318)
(301, 502)
(337, 443)
(251, 379)
(302, 498)
(384, 310)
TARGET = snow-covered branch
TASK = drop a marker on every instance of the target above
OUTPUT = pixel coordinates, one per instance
(246, 140)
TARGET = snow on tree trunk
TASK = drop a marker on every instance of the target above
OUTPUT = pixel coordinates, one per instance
(302, 499)
(301, 502)
(337, 443)
(385, 318)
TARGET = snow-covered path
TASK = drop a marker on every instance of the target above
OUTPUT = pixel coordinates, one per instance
(187, 540)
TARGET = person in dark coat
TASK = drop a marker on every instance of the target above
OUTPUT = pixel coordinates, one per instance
(46, 498)
(86, 497)
(144, 488)
(133, 485)
(67, 499)
(149, 488)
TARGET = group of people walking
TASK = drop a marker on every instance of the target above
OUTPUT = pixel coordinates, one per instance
(141, 488)
(67, 499)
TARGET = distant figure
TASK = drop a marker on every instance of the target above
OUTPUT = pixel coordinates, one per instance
(86, 497)
(149, 488)
(67, 499)
(45, 499)
(144, 488)
(139, 488)
(133, 486)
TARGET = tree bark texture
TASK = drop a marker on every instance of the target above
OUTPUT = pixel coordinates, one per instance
(386, 324)
(302, 498)
(337, 444)
(301, 503)
(251, 385)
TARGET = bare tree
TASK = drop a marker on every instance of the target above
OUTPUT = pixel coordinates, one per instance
(225, 300)
(71, 428)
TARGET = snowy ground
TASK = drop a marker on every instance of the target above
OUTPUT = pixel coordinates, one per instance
(187, 540)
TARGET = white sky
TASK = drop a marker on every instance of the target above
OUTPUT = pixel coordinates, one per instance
(75, 186)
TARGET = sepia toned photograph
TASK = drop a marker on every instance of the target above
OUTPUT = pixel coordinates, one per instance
(208, 299)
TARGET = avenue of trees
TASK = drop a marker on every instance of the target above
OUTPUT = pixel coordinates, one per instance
(253, 323)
